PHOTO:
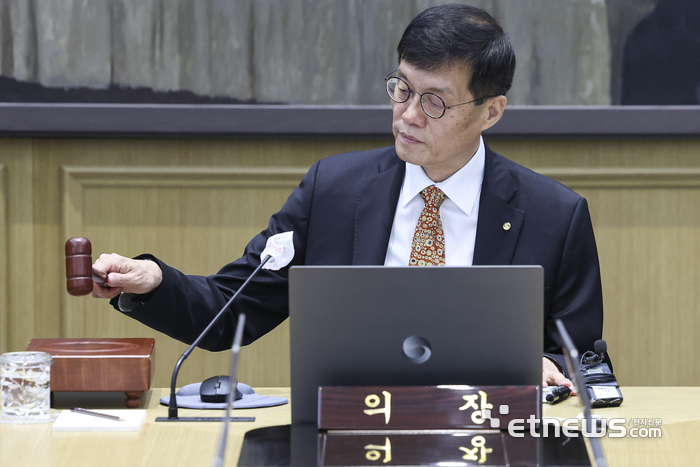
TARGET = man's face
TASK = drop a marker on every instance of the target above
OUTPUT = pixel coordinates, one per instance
(441, 146)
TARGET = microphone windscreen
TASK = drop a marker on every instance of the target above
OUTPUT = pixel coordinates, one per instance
(600, 346)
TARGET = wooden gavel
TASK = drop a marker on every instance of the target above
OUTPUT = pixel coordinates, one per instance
(79, 275)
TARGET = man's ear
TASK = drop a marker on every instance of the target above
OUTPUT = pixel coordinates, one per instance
(493, 111)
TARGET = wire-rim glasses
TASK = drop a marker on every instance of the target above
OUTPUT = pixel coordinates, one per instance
(434, 107)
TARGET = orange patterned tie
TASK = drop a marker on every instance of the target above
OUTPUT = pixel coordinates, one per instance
(428, 248)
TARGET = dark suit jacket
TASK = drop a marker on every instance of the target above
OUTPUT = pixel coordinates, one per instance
(342, 213)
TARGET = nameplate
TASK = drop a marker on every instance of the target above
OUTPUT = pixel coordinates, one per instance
(436, 447)
(425, 407)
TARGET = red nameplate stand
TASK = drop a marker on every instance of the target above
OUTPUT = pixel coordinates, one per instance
(432, 425)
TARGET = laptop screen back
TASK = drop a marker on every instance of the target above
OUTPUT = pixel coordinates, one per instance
(413, 326)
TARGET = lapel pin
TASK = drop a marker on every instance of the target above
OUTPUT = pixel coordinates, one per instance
(506, 226)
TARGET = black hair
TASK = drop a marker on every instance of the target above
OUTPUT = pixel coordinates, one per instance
(453, 34)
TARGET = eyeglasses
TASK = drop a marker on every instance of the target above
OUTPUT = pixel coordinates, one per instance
(432, 104)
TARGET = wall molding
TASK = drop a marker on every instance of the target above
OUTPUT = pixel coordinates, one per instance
(615, 177)
(603, 177)
(185, 176)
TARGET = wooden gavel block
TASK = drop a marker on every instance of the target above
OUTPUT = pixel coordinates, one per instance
(101, 365)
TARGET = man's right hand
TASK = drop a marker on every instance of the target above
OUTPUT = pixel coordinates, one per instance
(125, 275)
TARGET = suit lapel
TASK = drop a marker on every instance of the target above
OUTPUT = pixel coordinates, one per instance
(499, 223)
(376, 206)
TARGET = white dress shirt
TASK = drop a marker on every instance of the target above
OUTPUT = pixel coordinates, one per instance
(459, 212)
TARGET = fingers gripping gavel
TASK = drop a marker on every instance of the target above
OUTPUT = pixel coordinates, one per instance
(79, 276)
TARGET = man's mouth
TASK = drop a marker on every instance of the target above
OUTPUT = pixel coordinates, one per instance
(409, 139)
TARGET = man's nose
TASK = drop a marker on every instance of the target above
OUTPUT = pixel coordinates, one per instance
(414, 114)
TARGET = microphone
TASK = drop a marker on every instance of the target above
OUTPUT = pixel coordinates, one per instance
(600, 347)
(599, 380)
(279, 252)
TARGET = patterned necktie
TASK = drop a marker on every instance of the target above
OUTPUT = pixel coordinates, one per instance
(428, 248)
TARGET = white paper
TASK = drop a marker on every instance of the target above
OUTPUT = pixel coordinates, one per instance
(75, 421)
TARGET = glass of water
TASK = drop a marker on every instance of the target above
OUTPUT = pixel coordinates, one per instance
(25, 381)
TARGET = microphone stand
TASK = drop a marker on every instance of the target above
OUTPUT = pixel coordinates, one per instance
(236, 348)
(572, 360)
(172, 405)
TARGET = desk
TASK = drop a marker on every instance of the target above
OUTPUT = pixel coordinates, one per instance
(171, 444)
(679, 411)
(189, 444)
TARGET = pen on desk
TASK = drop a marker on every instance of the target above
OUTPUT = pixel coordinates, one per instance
(97, 414)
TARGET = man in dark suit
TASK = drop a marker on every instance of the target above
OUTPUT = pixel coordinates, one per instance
(455, 66)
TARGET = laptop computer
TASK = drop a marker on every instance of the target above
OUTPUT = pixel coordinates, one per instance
(376, 326)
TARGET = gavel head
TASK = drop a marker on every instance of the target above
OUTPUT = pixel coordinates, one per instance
(78, 266)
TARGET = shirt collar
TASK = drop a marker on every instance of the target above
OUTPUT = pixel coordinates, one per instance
(462, 187)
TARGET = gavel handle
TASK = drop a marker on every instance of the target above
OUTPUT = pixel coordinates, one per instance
(99, 277)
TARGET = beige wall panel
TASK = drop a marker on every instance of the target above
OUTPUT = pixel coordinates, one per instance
(4, 267)
(647, 239)
(193, 218)
(95, 188)
(173, 198)
(16, 155)
(643, 197)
